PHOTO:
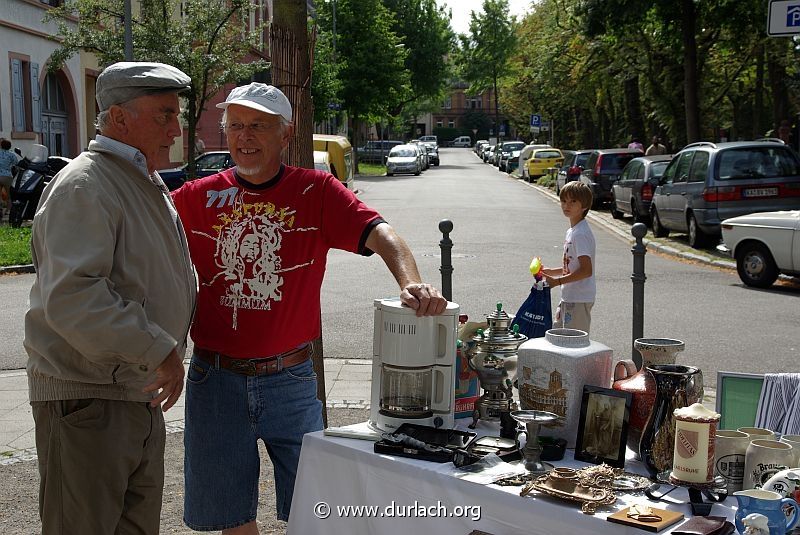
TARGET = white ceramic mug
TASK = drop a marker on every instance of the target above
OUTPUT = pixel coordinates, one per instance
(765, 458)
(758, 433)
(731, 447)
(794, 440)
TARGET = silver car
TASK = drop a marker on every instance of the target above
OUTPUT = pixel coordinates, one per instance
(404, 159)
(706, 183)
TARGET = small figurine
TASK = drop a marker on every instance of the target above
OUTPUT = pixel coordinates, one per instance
(755, 524)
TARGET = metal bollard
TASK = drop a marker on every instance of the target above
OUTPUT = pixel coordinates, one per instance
(446, 245)
(638, 277)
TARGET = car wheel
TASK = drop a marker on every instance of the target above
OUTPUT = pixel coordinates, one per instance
(615, 213)
(417, 172)
(659, 231)
(389, 174)
(755, 265)
(697, 238)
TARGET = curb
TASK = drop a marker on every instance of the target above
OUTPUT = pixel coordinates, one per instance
(24, 268)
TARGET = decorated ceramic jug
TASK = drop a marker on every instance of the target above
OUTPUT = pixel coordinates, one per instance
(641, 383)
(767, 503)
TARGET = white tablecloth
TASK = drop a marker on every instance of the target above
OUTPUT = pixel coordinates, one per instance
(342, 472)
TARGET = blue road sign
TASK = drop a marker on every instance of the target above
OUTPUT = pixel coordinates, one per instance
(783, 18)
(536, 120)
(793, 16)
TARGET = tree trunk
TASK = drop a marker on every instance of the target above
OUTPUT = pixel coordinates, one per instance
(291, 73)
(691, 76)
(633, 110)
(497, 111)
(191, 132)
(777, 76)
(758, 103)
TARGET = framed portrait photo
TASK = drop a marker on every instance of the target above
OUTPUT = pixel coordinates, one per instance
(603, 427)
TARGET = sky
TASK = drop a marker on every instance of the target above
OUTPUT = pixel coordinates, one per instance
(462, 8)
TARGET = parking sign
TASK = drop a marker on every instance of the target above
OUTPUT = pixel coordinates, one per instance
(783, 18)
(536, 121)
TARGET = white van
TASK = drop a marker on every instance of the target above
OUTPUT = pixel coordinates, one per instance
(462, 141)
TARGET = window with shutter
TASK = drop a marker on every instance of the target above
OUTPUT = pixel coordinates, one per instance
(18, 95)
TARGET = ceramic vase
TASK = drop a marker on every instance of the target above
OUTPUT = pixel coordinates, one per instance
(675, 386)
(551, 374)
(640, 383)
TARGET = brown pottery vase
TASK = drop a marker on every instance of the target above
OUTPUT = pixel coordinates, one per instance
(641, 383)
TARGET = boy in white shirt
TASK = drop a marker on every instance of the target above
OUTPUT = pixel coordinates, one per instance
(577, 272)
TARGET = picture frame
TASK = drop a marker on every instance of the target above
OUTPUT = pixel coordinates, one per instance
(603, 426)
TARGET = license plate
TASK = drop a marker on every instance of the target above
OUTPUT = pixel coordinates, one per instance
(760, 192)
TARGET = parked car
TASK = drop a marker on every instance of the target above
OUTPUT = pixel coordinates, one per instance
(433, 154)
(487, 153)
(603, 168)
(423, 151)
(706, 183)
(633, 192)
(430, 139)
(340, 156)
(525, 155)
(479, 146)
(206, 164)
(462, 141)
(571, 169)
(404, 159)
(375, 151)
(541, 160)
(506, 149)
(764, 244)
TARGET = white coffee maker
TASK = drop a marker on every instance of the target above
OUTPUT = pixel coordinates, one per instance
(413, 361)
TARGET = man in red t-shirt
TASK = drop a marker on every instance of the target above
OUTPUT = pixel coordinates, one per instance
(259, 235)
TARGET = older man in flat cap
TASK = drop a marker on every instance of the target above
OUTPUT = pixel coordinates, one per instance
(259, 236)
(109, 313)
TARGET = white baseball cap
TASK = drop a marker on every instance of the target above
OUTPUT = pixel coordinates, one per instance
(262, 97)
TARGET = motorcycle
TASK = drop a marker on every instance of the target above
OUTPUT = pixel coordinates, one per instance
(30, 178)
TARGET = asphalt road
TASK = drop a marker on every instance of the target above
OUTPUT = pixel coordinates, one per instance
(500, 223)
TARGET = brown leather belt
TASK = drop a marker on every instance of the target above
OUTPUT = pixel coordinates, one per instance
(252, 367)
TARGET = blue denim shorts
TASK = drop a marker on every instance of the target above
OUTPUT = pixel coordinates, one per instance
(226, 414)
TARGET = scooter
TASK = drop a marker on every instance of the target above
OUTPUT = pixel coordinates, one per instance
(30, 178)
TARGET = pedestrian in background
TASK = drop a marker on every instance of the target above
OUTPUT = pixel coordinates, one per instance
(109, 312)
(636, 144)
(8, 159)
(259, 235)
(656, 148)
(576, 276)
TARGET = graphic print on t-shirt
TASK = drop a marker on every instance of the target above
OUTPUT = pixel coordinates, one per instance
(567, 258)
(247, 249)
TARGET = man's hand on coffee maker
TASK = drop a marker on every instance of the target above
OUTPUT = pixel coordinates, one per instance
(423, 298)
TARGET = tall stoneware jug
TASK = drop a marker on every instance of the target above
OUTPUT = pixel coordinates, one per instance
(551, 374)
(640, 383)
(675, 385)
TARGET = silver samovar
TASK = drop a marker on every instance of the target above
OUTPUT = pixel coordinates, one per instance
(494, 357)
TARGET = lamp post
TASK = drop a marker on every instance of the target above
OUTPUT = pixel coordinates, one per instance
(128, 33)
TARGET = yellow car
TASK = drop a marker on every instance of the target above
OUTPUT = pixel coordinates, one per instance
(541, 160)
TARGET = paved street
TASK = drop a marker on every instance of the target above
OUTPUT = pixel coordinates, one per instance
(499, 224)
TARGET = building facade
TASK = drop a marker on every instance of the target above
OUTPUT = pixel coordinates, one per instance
(37, 107)
(465, 113)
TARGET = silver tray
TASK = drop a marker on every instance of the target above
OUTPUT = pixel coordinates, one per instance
(590, 498)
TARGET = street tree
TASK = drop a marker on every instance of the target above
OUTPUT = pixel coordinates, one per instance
(371, 60)
(209, 40)
(486, 50)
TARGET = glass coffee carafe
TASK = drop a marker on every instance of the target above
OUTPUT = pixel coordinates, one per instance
(406, 392)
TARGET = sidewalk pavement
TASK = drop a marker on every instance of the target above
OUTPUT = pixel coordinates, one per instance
(347, 385)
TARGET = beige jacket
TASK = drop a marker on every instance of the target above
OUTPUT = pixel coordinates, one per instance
(114, 290)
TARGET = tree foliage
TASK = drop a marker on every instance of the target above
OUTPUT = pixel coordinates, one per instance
(206, 39)
(488, 48)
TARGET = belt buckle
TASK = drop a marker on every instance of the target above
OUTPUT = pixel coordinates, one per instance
(243, 366)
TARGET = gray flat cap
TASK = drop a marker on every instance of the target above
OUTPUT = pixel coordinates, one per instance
(127, 80)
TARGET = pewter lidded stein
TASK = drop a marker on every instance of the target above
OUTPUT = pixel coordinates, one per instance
(494, 358)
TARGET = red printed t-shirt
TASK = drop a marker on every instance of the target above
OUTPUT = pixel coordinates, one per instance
(260, 253)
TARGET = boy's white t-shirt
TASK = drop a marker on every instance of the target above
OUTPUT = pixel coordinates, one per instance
(579, 241)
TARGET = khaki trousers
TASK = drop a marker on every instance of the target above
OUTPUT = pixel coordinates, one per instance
(101, 466)
(573, 316)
